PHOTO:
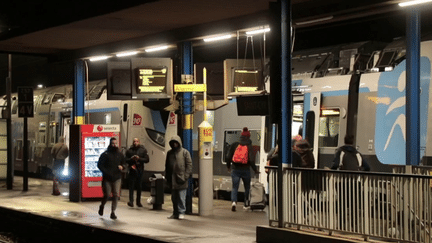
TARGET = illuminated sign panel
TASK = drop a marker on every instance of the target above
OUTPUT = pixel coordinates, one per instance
(151, 80)
(246, 80)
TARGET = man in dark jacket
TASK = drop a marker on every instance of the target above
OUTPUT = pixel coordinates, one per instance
(348, 158)
(111, 163)
(136, 156)
(241, 170)
(178, 169)
(59, 153)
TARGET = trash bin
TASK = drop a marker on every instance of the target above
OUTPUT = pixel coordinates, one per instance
(157, 191)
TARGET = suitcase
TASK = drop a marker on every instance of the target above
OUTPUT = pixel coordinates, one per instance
(257, 196)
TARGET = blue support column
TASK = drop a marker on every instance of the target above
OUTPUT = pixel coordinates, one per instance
(286, 118)
(413, 87)
(187, 66)
(78, 93)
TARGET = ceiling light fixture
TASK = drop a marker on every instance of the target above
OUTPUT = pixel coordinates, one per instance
(159, 48)
(314, 20)
(216, 38)
(99, 58)
(125, 54)
(259, 31)
(410, 3)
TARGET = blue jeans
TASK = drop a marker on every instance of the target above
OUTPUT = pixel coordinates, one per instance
(245, 175)
(178, 198)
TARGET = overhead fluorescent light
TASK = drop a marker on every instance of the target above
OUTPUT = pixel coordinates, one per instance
(410, 3)
(159, 48)
(259, 31)
(99, 58)
(216, 38)
(314, 20)
(124, 54)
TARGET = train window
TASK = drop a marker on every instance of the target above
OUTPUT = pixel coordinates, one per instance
(53, 133)
(47, 99)
(14, 106)
(232, 136)
(328, 132)
(310, 127)
(107, 118)
(58, 98)
(41, 135)
(156, 136)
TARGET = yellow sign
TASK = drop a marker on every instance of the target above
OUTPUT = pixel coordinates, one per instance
(245, 89)
(190, 87)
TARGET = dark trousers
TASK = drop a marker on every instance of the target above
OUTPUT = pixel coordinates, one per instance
(135, 181)
(109, 187)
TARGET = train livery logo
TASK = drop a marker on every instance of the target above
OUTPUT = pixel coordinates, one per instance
(137, 119)
(100, 128)
(172, 118)
(390, 128)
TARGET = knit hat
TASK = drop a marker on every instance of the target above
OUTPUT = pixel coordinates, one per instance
(245, 132)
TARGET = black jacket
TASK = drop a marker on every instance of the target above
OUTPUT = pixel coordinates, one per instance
(108, 163)
(143, 159)
(348, 158)
(251, 155)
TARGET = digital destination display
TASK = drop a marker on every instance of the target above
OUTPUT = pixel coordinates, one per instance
(151, 80)
(246, 80)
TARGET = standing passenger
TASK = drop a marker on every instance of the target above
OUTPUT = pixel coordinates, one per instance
(178, 169)
(111, 163)
(136, 156)
(242, 157)
(59, 152)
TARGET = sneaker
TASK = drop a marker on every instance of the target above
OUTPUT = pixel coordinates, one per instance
(181, 216)
(100, 212)
(113, 216)
(139, 204)
(246, 207)
(233, 207)
(130, 204)
(173, 217)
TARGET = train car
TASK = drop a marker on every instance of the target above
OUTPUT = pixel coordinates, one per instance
(52, 117)
(360, 89)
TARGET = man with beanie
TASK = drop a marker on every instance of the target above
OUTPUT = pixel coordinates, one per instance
(59, 153)
(136, 156)
(178, 169)
(241, 156)
(111, 163)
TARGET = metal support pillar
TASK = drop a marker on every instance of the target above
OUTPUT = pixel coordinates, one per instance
(78, 92)
(10, 164)
(413, 87)
(186, 71)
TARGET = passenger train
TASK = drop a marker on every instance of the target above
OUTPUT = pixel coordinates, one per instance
(356, 89)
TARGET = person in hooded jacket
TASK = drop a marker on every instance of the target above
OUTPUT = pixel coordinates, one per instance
(111, 163)
(348, 158)
(302, 154)
(178, 169)
(241, 171)
(136, 157)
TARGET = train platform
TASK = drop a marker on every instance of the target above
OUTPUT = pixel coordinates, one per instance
(56, 217)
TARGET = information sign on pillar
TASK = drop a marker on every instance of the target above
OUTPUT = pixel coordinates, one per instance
(25, 102)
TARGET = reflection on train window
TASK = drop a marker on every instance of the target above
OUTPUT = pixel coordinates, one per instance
(41, 135)
(156, 136)
(107, 118)
(232, 136)
(58, 98)
(329, 128)
(53, 133)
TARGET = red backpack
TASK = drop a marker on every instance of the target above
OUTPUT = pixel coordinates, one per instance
(241, 154)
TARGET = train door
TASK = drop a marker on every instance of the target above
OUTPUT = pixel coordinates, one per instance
(312, 121)
(66, 121)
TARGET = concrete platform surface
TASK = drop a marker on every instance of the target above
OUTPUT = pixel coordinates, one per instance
(223, 226)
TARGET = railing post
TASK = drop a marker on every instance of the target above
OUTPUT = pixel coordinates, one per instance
(366, 204)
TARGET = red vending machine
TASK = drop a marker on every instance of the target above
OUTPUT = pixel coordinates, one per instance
(87, 143)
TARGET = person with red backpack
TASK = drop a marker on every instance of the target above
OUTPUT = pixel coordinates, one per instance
(242, 158)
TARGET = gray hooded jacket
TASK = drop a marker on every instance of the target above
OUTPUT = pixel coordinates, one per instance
(178, 165)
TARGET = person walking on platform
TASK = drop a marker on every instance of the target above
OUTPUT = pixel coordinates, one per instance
(59, 153)
(111, 163)
(136, 156)
(178, 169)
(242, 158)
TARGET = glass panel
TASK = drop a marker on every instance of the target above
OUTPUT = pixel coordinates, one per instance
(329, 128)
(156, 136)
(58, 98)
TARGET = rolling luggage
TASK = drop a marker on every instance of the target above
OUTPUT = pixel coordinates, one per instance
(257, 196)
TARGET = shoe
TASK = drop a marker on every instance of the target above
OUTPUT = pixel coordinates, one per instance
(181, 216)
(174, 217)
(233, 207)
(113, 216)
(246, 207)
(130, 204)
(100, 212)
(56, 193)
(139, 204)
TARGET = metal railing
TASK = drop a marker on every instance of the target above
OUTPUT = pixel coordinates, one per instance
(378, 205)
